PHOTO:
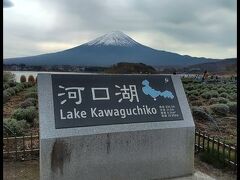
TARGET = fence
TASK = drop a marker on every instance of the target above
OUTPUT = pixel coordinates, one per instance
(27, 147)
(223, 151)
(21, 148)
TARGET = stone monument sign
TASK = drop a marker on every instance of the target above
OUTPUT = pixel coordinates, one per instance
(114, 127)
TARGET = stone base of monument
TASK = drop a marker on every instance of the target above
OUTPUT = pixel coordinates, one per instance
(149, 154)
(135, 151)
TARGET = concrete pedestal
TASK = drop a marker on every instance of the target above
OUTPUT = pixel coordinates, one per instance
(138, 151)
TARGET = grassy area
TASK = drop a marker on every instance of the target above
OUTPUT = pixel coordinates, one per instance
(20, 111)
(214, 107)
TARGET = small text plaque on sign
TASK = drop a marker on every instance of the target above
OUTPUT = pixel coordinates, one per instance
(92, 100)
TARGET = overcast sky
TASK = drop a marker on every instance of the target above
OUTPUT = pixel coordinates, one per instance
(201, 28)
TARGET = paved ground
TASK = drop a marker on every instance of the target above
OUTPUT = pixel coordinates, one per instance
(29, 170)
(196, 176)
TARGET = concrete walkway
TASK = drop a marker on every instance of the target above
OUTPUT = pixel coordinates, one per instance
(196, 176)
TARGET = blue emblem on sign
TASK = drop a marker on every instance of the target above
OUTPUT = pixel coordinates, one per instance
(154, 93)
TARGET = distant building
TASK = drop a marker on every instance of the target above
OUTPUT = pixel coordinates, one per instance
(195, 70)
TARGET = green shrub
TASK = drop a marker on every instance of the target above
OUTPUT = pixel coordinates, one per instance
(206, 95)
(210, 86)
(31, 95)
(213, 93)
(196, 103)
(28, 102)
(221, 90)
(27, 114)
(36, 123)
(17, 127)
(8, 76)
(198, 86)
(31, 79)
(25, 84)
(192, 97)
(213, 100)
(12, 83)
(232, 107)
(189, 88)
(186, 80)
(32, 89)
(16, 89)
(233, 97)
(225, 95)
(10, 91)
(212, 157)
(5, 86)
(220, 109)
(194, 92)
(20, 87)
(214, 88)
(6, 97)
(222, 100)
(199, 113)
(23, 79)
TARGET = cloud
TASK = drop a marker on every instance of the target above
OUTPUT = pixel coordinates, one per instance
(7, 4)
(208, 26)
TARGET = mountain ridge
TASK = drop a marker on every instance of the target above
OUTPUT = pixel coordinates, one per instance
(109, 49)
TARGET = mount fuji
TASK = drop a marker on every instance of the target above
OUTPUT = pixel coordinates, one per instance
(107, 50)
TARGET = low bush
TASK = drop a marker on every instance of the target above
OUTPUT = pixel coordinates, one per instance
(213, 100)
(220, 109)
(187, 80)
(16, 89)
(28, 102)
(222, 100)
(31, 95)
(32, 89)
(213, 93)
(233, 97)
(23, 79)
(15, 126)
(210, 86)
(27, 114)
(25, 84)
(198, 86)
(12, 83)
(192, 97)
(36, 123)
(225, 95)
(194, 92)
(200, 114)
(31, 79)
(8, 76)
(189, 88)
(196, 103)
(221, 90)
(5, 86)
(212, 157)
(20, 86)
(232, 107)
(6, 97)
(206, 95)
(10, 91)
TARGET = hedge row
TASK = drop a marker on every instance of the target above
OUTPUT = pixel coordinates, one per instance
(13, 90)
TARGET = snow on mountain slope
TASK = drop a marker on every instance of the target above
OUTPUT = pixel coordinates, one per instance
(114, 38)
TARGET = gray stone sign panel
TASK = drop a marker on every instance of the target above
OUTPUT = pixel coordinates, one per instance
(105, 100)
(139, 148)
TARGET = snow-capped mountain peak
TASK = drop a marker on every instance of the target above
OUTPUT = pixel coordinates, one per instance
(114, 38)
